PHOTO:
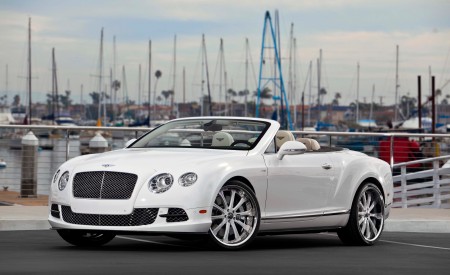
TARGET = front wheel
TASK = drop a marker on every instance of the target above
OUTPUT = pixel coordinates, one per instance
(85, 238)
(235, 216)
(366, 219)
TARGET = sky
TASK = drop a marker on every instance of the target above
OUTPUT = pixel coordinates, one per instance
(348, 32)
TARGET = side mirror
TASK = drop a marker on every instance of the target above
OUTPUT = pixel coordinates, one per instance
(128, 143)
(291, 148)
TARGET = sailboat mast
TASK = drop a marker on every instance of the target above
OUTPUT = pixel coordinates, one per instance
(139, 87)
(29, 72)
(55, 96)
(184, 85)
(174, 73)
(396, 86)
(357, 92)
(220, 70)
(246, 77)
(207, 76)
(150, 79)
(294, 87)
(319, 67)
(100, 73)
(6, 85)
(371, 104)
(310, 93)
(113, 80)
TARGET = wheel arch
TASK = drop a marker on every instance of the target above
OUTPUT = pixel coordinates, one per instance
(374, 181)
(243, 180)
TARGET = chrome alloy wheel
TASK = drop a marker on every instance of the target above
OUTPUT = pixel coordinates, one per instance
(235, 216)
(370, 214)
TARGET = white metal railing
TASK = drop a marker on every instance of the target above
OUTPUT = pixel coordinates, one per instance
(412, 188)
(427, 188)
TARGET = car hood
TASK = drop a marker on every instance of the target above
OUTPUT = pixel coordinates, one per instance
(143, 160)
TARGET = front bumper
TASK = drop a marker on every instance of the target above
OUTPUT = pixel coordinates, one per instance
(161, 220)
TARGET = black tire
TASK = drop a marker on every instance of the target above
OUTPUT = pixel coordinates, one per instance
(85, 238)
(235, 221)
(366, 221)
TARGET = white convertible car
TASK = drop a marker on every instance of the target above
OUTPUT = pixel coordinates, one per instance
(228, 179)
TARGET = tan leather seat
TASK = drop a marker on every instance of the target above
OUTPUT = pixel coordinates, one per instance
(283, 136)
(311, 144)
(222, 139)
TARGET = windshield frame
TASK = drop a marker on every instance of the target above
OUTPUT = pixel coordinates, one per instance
(160, 130)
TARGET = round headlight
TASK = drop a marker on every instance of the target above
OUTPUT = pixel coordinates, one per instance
(55, 177)
(187, 179)
(63, 180)
(160, 183)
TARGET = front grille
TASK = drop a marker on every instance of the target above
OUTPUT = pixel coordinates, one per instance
(140, 216)
(104, 185)
(176, 215)
(55, 211)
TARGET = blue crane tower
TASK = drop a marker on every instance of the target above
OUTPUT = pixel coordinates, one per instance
(277, 80)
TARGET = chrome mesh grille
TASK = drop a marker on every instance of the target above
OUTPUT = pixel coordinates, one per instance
(104, 185)
(176, 215)
(140, 216)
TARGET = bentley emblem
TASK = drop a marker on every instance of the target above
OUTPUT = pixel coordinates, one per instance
(107, 165)
(280, 138)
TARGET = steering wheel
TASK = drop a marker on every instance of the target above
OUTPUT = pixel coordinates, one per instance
(236, 142)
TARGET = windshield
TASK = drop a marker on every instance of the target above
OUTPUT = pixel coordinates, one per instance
(205, 133)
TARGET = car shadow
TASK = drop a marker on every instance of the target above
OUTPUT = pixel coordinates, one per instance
(167, 244)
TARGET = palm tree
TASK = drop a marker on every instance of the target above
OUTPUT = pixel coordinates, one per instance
(167, 94)
(266, 93)
(322, 93)
(335, 101)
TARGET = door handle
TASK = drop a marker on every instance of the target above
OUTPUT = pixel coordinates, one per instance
(326, 166)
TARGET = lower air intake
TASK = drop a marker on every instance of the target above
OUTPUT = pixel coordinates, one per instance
(140, 216)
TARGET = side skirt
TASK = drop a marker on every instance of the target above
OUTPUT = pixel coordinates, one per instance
(331, 220)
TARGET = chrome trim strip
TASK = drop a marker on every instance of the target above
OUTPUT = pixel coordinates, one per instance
(331, 213)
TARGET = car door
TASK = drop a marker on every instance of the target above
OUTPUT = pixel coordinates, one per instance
(298, 185)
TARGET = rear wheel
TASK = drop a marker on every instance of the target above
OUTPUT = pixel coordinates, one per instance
(85, 238)
(235, 216)
(366, 219)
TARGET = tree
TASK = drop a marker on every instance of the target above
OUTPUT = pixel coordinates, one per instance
(65, 99)
(243, 93)
(322, 94)
(231, 93)
(95, 97)
(266, 93)
(335, 101)
(167, 94)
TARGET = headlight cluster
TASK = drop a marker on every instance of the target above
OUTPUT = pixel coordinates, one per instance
(162, 182)
(63, 180)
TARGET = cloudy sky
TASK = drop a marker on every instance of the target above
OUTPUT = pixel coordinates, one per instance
(347, 31)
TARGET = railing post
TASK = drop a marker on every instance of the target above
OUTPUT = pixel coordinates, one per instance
(436, 185)
(391, 152)
(403, 184)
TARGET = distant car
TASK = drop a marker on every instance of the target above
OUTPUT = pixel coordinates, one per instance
(224, 178)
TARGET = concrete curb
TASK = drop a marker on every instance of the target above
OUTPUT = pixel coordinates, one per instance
(401, 220)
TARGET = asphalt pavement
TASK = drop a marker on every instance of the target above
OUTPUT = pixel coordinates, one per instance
(44, 252)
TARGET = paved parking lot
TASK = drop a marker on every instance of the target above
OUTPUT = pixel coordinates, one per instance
(43, 252)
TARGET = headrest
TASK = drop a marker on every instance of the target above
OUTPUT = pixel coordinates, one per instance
(311, 144)
(283, 136)
(222, 139)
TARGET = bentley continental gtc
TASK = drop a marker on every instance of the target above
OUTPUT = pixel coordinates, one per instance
(227, 179)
